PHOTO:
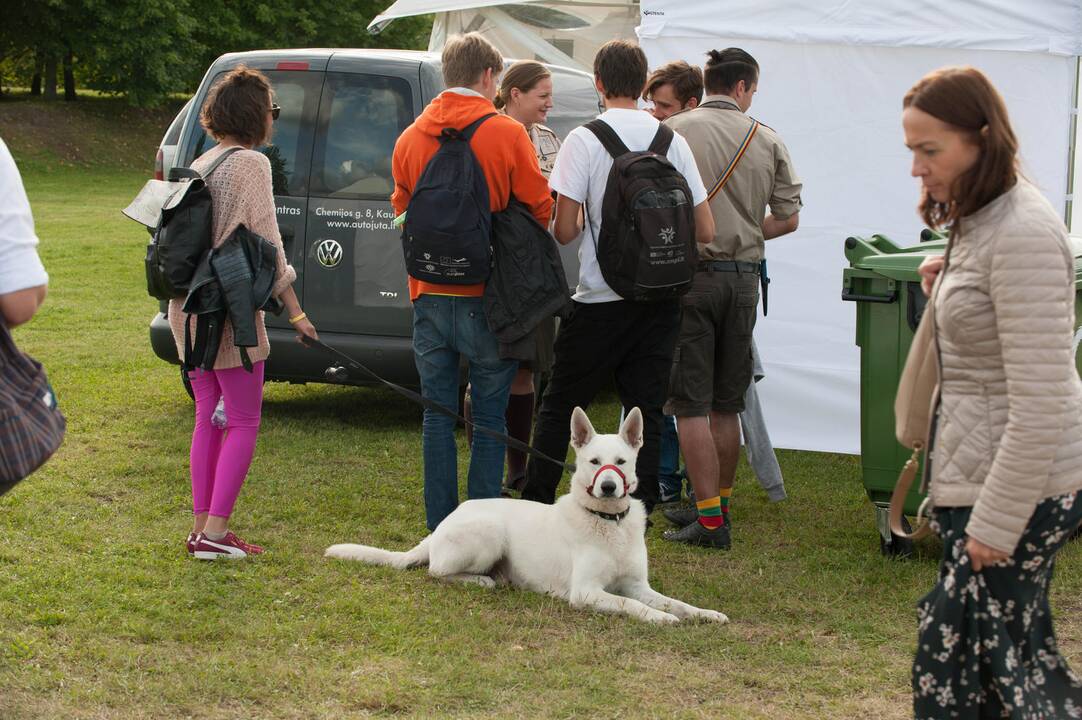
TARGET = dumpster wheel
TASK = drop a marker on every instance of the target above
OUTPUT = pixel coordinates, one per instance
(891, 545)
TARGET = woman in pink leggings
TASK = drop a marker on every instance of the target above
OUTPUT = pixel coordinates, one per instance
(239, 113)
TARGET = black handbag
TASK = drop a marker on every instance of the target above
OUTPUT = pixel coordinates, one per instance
(31, 425)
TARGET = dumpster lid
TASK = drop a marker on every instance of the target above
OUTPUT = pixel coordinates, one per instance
(883, 256)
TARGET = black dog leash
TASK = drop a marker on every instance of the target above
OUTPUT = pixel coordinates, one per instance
(436, 407)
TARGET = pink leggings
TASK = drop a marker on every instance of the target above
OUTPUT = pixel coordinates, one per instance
(220, 458)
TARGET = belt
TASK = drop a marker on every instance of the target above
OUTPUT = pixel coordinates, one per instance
(740, 266)
(736, 266)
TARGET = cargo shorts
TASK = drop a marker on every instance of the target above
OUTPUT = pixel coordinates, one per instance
(712, 365)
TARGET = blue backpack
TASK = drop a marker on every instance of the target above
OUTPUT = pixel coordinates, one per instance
(447, 236)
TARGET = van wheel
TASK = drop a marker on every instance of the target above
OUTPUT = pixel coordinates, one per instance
(187, 383)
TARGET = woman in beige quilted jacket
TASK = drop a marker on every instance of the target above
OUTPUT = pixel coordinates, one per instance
(1006, 458)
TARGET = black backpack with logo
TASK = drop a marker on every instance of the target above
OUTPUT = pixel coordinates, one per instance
(183, 233)
(446, 238)
(646, 248)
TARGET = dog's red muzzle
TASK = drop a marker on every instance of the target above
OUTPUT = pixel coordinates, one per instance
(602, 469)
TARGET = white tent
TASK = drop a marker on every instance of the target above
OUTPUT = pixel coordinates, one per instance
(833, 74)
(555, 31)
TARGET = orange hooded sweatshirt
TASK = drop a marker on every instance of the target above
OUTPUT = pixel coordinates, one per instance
(502, 148)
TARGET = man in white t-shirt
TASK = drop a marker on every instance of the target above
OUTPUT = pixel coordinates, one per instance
(22, 276)
(607, 337)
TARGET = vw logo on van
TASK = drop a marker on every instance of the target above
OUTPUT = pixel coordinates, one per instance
(329, 253)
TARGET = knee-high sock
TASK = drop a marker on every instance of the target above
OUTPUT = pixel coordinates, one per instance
(519, 423)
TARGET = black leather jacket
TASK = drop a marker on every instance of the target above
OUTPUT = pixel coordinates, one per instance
(233, 280)
(527, 284)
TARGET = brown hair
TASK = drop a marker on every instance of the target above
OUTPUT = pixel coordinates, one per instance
(466, 57)
(524, 75)
(620, 65)
(686, 81)
(237, 106)
(965, 99)
(725, 68)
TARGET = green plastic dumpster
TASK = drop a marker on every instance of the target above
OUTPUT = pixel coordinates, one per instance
(883, 282)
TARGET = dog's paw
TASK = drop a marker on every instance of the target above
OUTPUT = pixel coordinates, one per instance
(712, 616)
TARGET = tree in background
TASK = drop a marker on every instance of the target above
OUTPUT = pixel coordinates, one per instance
(38, 38)
(148, 50)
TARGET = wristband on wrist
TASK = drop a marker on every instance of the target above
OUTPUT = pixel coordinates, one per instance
(298, 318)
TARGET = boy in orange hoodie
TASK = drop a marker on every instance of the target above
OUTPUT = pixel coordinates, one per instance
(448, 320)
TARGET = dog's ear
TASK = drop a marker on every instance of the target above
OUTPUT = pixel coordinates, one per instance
(631, 429)
(582, 432)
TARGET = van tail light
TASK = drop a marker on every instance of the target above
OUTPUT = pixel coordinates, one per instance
(159, 169)
(288, 65)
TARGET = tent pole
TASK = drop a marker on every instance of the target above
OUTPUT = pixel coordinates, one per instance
(1069, 209)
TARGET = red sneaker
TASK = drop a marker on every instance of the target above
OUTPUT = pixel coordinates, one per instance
(190, 543)
(231, 547)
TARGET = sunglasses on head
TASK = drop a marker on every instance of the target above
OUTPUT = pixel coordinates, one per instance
(275, 111)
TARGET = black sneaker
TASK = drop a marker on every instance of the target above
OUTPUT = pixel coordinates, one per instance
(696, 534)
(681, 516)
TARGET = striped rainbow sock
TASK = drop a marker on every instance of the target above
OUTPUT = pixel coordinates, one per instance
(710, 513)
(725, 494)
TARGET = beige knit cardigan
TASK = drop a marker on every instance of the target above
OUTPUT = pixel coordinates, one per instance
(241, 191)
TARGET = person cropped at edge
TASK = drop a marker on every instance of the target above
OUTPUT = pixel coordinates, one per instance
(239, 112)
(525, 94)
(1007, 443)
(713, 365)
(608, 337)
(448, 320)
(671, 89)
(23, 280)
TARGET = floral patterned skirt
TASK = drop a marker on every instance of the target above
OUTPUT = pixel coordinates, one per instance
(986, 647)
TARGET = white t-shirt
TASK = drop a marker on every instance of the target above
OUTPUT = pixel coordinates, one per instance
(582, 170)
(20, 266)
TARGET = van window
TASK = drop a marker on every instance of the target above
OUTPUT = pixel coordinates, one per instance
(289, 150)
(574, 99)
(360, 118)
(172, 135)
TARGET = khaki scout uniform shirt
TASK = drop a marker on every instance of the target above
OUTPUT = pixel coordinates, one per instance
(546, 144)
(764, 176)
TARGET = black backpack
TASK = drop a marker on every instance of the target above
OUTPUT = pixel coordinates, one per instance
(183, 234)
(446, 238)
(646, 248)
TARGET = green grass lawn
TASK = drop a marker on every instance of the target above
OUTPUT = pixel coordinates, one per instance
(102, 614)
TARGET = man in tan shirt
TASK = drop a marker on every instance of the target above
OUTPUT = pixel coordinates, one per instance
(673, 88)
(747, 168)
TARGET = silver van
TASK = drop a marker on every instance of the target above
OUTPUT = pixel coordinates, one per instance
(342, 111)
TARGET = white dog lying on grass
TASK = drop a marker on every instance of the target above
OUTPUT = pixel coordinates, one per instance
(588, 548)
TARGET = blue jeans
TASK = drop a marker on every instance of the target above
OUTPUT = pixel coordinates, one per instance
(669, 478)
(444, 329)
